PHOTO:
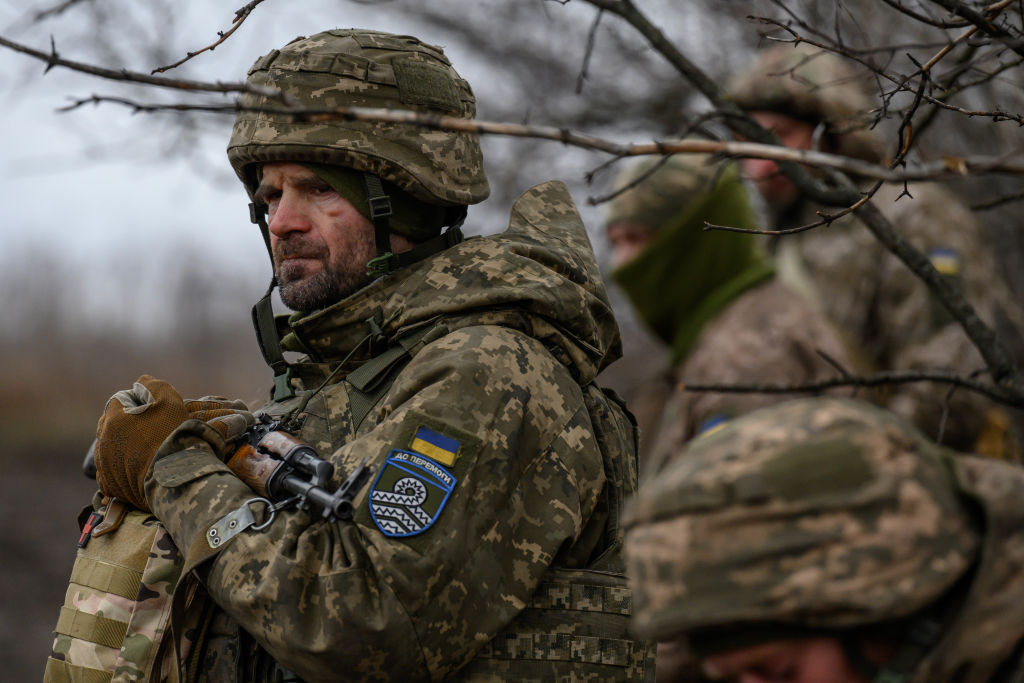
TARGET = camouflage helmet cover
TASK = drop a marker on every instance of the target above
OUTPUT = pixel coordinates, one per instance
(820, 513)
(659, 188)
(807, 83)
(362, 68)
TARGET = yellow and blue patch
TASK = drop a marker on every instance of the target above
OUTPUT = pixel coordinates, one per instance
(713, 424)
(946, 261)
(436, 446)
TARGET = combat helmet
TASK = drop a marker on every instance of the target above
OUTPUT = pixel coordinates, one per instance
(808, 83)
(352, 67)
(825, 514)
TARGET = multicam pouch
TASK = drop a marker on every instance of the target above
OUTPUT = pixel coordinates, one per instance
(115, 622)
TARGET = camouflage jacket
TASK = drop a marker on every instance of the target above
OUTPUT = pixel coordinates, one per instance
(890, 314)
(498, 396)
(768, 335)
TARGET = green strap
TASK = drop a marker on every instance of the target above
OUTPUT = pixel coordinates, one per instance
(380, 215)
(106, 577)
(370, 381)
(263, 319)
(449, 238)
(91, 628)
(60, 672)
(270, 344)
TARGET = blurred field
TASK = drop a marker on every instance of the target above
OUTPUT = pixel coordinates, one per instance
(55, 382)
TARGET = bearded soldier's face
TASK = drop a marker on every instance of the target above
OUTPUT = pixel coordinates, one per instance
(320, 242)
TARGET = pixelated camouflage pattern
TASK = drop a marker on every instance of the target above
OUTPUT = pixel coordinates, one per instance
(807, 83)
(526, 321)
(832, 513)
(138, 555)
(890, 314)
(769, 335)
(345, 68)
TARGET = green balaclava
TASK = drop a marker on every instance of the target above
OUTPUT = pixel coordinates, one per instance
(410, 217)
(687, 275)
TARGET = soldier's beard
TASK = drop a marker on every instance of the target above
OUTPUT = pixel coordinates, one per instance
(331, 283)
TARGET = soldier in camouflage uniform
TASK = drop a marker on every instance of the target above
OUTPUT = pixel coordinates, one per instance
(813, 99)
(712, 296)
(828, 541)
(485, 545)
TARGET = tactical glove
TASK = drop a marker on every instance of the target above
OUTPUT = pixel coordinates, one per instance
(229, 417)
(134, 423)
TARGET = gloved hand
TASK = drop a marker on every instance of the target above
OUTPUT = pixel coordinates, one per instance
(134, 423)
(229, 417)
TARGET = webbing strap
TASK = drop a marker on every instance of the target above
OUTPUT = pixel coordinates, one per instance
(60, 672)
(563, 647)
(370, 381)
(106, 577)
(263, 318)
(380, 214)
(583, 597)
(270, 344)
(449, 238)
(91, 628)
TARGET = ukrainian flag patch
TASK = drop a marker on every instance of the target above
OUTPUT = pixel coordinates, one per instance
(435, 446)
(946, 261)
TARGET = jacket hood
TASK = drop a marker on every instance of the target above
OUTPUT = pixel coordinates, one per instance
(540, 276)
(989, 626)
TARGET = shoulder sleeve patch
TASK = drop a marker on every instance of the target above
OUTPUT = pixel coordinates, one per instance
(409, 494)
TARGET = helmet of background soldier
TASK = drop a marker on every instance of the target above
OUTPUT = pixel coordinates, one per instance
(813, 514)
(654, 190)
(344, 68)
(807, 83)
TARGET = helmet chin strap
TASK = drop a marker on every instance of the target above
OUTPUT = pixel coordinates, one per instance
(380, 214)
(263, 319)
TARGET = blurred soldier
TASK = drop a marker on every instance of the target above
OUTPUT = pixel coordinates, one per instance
(712, 296)
(485, 546)
(811, 99)
(828, 541)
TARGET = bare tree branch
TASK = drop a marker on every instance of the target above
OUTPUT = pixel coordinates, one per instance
(241, 15)
(53, 59)
(874, 380)
(952, 167)
(984, 23)
(56, 10)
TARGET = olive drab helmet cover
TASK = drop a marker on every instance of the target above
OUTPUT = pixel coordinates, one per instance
(808, 83)
(819, 513)
(344, 68)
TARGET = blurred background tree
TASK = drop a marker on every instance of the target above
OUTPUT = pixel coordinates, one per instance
(127, 245)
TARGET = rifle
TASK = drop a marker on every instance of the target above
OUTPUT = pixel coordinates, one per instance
(283, 469)
(279, 467)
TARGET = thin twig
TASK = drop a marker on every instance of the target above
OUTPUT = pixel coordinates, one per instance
(54, 59)
(874, 380)
(591, 41)
(54, 11)
(241, 15)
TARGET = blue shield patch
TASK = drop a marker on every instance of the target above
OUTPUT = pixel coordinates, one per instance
(409, 493)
